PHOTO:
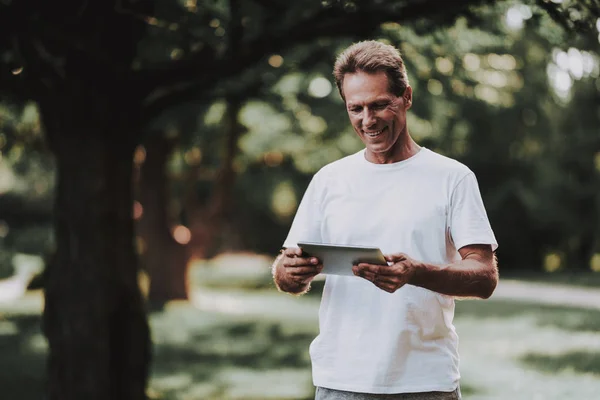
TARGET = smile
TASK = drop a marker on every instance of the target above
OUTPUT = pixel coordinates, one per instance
(374, 134)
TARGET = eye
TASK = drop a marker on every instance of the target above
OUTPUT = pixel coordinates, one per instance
(355, 109)
(380, 106)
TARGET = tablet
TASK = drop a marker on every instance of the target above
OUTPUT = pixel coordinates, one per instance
(339, 259)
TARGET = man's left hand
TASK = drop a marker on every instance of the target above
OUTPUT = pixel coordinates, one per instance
(388, 277)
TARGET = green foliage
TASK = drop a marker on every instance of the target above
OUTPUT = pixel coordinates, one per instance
(26, 185)
(482, 95)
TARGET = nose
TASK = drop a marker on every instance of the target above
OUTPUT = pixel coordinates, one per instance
(368, 118)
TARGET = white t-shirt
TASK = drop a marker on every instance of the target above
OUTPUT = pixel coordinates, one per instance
(428, 207)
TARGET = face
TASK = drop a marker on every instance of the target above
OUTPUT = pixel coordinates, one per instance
(377, 116)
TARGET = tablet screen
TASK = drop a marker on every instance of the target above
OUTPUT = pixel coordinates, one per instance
(339, 259)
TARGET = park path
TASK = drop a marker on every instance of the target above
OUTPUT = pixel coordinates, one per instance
(232, 301)
(278, 305)
(550, 294)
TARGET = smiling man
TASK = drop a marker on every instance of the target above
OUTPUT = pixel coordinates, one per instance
(387, 333)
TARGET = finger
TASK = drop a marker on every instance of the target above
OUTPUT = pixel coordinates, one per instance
(301, 261)
(372, 268)
(303, 278)
(386, 279)
(377, 270)
(387, 270)
(395, 271)
(369, 276)
(393, 286)
(299, 271)
(364, 273)
(395, 257)
(390, 288)
(293, 252)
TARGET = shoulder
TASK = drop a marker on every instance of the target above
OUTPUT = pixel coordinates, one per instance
(323, 178)
(444, 165)
(343, 165)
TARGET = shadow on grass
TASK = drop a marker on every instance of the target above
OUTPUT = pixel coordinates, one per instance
(243, 346)
(253, 346)
(577, 361)
(258, 346)
(566, 318)
(22, 363)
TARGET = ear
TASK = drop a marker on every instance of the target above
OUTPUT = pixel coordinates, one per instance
(407, 96)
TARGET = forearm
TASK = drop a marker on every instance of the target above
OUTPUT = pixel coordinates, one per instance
(283, 282)
(469, 277)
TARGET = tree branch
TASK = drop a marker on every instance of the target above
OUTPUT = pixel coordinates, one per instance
(581, 24)
(202, 74)
(554, 13)
(236, 30)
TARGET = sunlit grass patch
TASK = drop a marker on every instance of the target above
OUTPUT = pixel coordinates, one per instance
(504, 346)
(233, 270)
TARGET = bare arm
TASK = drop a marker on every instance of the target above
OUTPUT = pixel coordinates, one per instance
(475, 275)
(293, 273)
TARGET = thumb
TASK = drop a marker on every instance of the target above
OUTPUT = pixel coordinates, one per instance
(396, 257)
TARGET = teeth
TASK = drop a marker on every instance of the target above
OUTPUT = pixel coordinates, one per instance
(372, 134)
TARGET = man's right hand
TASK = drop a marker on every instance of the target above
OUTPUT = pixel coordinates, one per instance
(296, 270)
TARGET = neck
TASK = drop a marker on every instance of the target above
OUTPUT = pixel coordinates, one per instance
(402, 150)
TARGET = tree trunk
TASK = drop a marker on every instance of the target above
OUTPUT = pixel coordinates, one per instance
(209, 224)
(222, 199)
(94, 318)
(165, 260)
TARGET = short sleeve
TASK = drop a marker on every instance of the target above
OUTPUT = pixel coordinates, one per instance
(307, 221)
(469, 223)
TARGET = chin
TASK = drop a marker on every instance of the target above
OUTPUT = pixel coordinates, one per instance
(378, 150)
(379, 147)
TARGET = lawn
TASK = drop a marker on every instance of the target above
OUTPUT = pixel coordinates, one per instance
(579, 279)
(244, 340)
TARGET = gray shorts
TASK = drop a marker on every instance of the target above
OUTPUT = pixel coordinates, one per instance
(331, 394)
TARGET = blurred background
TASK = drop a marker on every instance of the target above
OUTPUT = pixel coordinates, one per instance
(219, 164)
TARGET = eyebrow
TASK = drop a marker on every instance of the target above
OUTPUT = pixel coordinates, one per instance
(375, 101)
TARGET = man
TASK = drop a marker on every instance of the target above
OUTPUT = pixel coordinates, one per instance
(387, 333)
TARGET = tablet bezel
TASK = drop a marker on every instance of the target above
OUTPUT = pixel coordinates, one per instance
(339, 259)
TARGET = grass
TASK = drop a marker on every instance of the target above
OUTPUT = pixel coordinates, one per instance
(245, 341)
(22, 357)
(516, 350)
(582, 278)
(582, 362)
(236, 357)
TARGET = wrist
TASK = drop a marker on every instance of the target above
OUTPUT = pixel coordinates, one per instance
(417, 271)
